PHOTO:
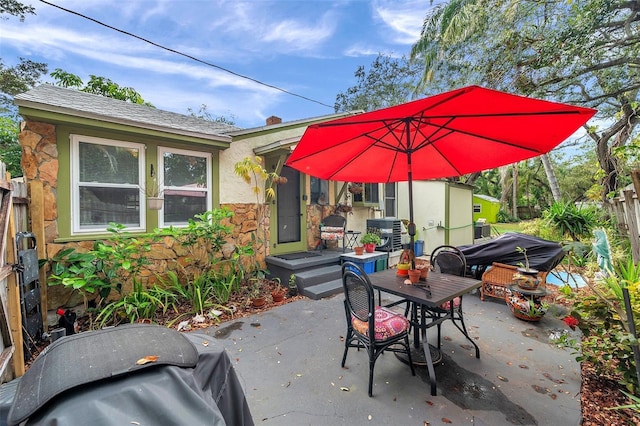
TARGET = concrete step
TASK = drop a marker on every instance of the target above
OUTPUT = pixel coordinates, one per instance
(318, 276)
(326, 289)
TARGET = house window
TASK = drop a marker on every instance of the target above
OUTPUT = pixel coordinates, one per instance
(368, 196)
(185, 179)
(477, 208)
(390, 200)
(105, 182)
(319, 191)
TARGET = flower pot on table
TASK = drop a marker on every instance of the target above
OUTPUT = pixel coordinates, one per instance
(414, 275)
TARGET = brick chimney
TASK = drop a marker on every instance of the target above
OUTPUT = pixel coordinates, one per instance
(273, 120)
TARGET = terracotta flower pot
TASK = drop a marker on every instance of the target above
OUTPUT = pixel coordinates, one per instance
(358, 250)
(277, 296)
(424, 272)
(258, 302)
(414, 275)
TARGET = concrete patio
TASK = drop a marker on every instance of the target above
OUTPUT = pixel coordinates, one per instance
(288, 361)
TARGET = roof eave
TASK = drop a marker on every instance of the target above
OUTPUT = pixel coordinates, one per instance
(105, 118)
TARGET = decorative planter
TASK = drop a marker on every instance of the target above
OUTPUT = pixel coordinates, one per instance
(355, 189)
(403, 268)
(525, 317)
(257, 302)
(526, 279)
(155, 203)
(424, 272)
(369, 247)
(414, 275)
(358, 250)
(277, 296)
(525, 304)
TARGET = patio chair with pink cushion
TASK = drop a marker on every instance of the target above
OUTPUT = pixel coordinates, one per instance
(376, 328)
(332, 228)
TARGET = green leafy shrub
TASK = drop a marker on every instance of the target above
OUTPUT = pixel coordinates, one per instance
(504, 217)
(137, 305)
(206, 278)
(607, 340)
(571, 220)
(106, 267)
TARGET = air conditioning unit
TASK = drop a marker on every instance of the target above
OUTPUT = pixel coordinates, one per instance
(390, 231)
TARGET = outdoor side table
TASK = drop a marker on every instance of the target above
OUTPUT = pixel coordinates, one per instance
(526, 304)
(351, 239)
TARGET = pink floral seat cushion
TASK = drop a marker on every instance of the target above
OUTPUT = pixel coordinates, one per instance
(447, 305)
(331, 232)
(387, 324)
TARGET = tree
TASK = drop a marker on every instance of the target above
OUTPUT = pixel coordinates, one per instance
(99, 86)
(389, 81)
(15, 8)
(10, 150)
(204, 114)
(14, 80)
(582, 52)
(18, 79)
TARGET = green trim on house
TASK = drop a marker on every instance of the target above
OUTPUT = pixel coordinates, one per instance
(63, 191)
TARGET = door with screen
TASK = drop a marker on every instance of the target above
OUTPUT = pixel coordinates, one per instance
(289, 214)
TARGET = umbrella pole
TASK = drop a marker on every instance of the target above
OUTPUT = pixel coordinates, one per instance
(412, 226)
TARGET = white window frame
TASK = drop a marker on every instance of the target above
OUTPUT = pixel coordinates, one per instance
(75, 182)
(161, 180)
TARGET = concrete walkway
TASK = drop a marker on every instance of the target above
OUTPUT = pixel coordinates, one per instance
(288, 360)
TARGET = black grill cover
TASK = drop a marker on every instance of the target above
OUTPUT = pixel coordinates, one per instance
(543, 255)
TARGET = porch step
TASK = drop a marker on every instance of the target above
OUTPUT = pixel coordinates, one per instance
(318, 276)
(326, 289)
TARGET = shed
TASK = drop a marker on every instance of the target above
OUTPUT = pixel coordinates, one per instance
(485, 207)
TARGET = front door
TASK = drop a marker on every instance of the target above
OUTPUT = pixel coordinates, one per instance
(287, 233)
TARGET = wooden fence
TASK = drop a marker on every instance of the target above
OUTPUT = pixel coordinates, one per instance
(626, 209)
(15, 216)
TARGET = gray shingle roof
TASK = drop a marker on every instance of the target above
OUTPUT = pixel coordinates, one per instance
(73, 102)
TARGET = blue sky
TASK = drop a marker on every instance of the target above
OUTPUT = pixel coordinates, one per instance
(310, 48)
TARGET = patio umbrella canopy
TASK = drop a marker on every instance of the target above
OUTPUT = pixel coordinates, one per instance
(451, 134)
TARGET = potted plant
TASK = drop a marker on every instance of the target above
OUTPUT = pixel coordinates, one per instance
(255, 293)
(154, 194)
(403, 268)
(277, 293)
(424, 270)
(527, 308)
(526, 277)
(355, 188)
(293, 286)
(414, 275)
(370, 241)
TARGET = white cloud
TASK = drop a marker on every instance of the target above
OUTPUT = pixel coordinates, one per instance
(404, 19)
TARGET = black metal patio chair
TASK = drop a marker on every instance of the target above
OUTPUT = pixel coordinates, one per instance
(375, 328)
(446, 259)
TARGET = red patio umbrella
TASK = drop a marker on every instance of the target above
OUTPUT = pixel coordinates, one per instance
(451, 134)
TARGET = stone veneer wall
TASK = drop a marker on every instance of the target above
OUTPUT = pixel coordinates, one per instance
(40, 162)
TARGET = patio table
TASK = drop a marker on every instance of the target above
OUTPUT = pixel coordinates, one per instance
(436, 290)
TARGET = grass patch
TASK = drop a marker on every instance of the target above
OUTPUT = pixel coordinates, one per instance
(502, 228)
